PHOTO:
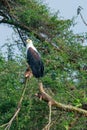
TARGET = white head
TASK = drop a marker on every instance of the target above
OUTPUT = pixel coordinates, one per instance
(29, 43)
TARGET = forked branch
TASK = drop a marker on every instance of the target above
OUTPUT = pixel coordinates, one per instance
(68, 108)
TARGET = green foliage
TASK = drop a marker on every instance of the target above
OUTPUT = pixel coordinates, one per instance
(65, 78)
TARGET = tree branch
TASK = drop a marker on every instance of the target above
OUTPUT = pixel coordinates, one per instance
(68, 108)
(22, 26)
(83, 19)
(8, 125)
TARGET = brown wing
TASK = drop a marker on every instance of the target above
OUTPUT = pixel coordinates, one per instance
(34, 53)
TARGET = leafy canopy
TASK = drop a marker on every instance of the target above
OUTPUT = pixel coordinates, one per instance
(65, 60)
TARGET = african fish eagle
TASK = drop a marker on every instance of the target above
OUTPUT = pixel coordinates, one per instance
(34, 59)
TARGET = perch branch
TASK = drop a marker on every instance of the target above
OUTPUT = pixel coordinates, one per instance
(83, 19)
(79, 13)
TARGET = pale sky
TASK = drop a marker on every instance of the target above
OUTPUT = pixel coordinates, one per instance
(67, 9)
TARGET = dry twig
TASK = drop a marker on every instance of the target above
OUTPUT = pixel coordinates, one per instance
(8, 125)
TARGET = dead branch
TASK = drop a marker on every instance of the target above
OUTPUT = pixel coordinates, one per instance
(79, 13)
(68, 108)
(83, 19)
(8, 125)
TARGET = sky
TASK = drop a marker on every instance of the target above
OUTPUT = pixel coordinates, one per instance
(7, 35)
(67, 9)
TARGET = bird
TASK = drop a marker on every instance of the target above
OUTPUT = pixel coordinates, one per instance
(34, 59)
(79, 10)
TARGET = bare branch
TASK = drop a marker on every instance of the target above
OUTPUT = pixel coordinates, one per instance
(68, 108)
(83, 19)
(8, 125)
(79, 13)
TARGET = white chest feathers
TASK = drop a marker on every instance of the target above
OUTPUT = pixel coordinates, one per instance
(32, 46)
